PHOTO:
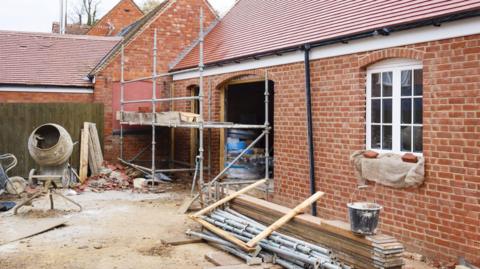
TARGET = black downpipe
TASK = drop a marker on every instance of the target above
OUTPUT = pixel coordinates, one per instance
(308, 97)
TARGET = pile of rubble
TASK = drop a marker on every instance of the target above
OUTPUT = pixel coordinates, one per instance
(113, 177)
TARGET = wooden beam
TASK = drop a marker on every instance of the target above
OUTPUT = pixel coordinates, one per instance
(229, 197)
(286, 218)
(84, 153)
(225, 235)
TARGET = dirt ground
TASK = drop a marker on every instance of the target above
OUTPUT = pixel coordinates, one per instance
(115, 230)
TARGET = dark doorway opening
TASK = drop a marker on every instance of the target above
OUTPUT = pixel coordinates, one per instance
(245, 104)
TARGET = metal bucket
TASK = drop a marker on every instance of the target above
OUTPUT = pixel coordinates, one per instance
(364, 217)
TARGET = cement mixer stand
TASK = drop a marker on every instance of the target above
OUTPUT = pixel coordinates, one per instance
(50, 188)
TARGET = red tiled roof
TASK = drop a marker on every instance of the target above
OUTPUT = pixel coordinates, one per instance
(254, 27)
(50, 59)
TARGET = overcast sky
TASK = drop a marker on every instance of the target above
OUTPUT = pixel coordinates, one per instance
(38, 15)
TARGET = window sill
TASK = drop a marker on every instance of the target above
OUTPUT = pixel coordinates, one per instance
(381, 151)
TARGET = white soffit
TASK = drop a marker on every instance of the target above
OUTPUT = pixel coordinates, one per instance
(424, 34)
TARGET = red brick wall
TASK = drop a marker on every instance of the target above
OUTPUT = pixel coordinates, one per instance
(29, 97)
(177, 28)
(121, 16)
(441, 219)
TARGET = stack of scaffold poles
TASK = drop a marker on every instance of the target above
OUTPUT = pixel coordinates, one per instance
(376, 251)
(249, 228)
(287, 251)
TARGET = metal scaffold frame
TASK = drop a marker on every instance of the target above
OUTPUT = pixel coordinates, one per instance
(200, 123)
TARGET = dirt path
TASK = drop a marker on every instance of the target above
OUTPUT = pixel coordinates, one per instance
(115, 230)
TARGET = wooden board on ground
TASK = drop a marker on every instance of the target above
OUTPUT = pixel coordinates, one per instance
(246, 266)
(95, 156)
(223, 259)
(185, 241)
(84, 153)
(27, 229)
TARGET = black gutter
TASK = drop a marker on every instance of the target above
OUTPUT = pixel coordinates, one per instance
(345, 39)
(308, 100)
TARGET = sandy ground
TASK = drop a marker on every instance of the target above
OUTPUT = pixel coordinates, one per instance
(114, 230)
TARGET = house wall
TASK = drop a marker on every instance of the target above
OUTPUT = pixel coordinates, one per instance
(121, 16)
(440, 219)
(177, 28)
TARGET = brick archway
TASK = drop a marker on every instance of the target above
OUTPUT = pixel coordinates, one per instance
(379, 55)
(220, 81)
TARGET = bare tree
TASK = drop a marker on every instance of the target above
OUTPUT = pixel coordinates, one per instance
(84, 9)
(148, 5)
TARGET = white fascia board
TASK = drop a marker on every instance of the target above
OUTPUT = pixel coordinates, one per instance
(419, 35)
(37, 89)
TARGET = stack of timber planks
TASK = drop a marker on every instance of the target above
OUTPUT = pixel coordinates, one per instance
(377, 251)
(91, 155)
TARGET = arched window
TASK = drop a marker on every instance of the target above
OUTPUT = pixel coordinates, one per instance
(395, 106)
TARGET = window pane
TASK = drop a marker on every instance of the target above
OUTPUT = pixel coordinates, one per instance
(418, 111)
(406, 138)
(387, 78)
(387, 110)
(376, 85)
(418, 82)
(376, 111)
(375, 137)
(387, 137)
(406, 110)
(417, 139)
(406, 83)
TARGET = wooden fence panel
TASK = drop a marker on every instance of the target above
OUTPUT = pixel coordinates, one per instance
(18, 120)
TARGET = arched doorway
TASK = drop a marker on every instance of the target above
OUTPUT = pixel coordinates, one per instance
(244, 103)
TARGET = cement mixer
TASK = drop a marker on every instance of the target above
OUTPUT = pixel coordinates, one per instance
(51, 146)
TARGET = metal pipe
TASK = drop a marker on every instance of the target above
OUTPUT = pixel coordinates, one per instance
(246, 236)
(200, 103)
(185, 98)
(308, 100)
(154, 96)
(122, 96)
(236, 159)
(277, 238)
(261, 226)
(267, 134)
(162, 75)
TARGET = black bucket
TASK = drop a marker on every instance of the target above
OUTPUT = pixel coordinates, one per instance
(364, 217)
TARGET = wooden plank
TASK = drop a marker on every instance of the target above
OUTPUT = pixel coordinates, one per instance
(286, 218)
(184, 241)
(222, 259)
(95, 156)
(229, 197)
(225, 235)
(84, 153)
(246, 266)
(27, 229)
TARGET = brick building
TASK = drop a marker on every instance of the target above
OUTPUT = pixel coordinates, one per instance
(367, 61)
(123, 14)
(432, 48)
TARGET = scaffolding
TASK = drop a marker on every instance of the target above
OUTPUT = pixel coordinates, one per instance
(154, 120)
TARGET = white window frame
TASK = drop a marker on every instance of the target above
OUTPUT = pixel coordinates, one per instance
(396, 66)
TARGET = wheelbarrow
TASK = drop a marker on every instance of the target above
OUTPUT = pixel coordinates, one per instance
(12, 185)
